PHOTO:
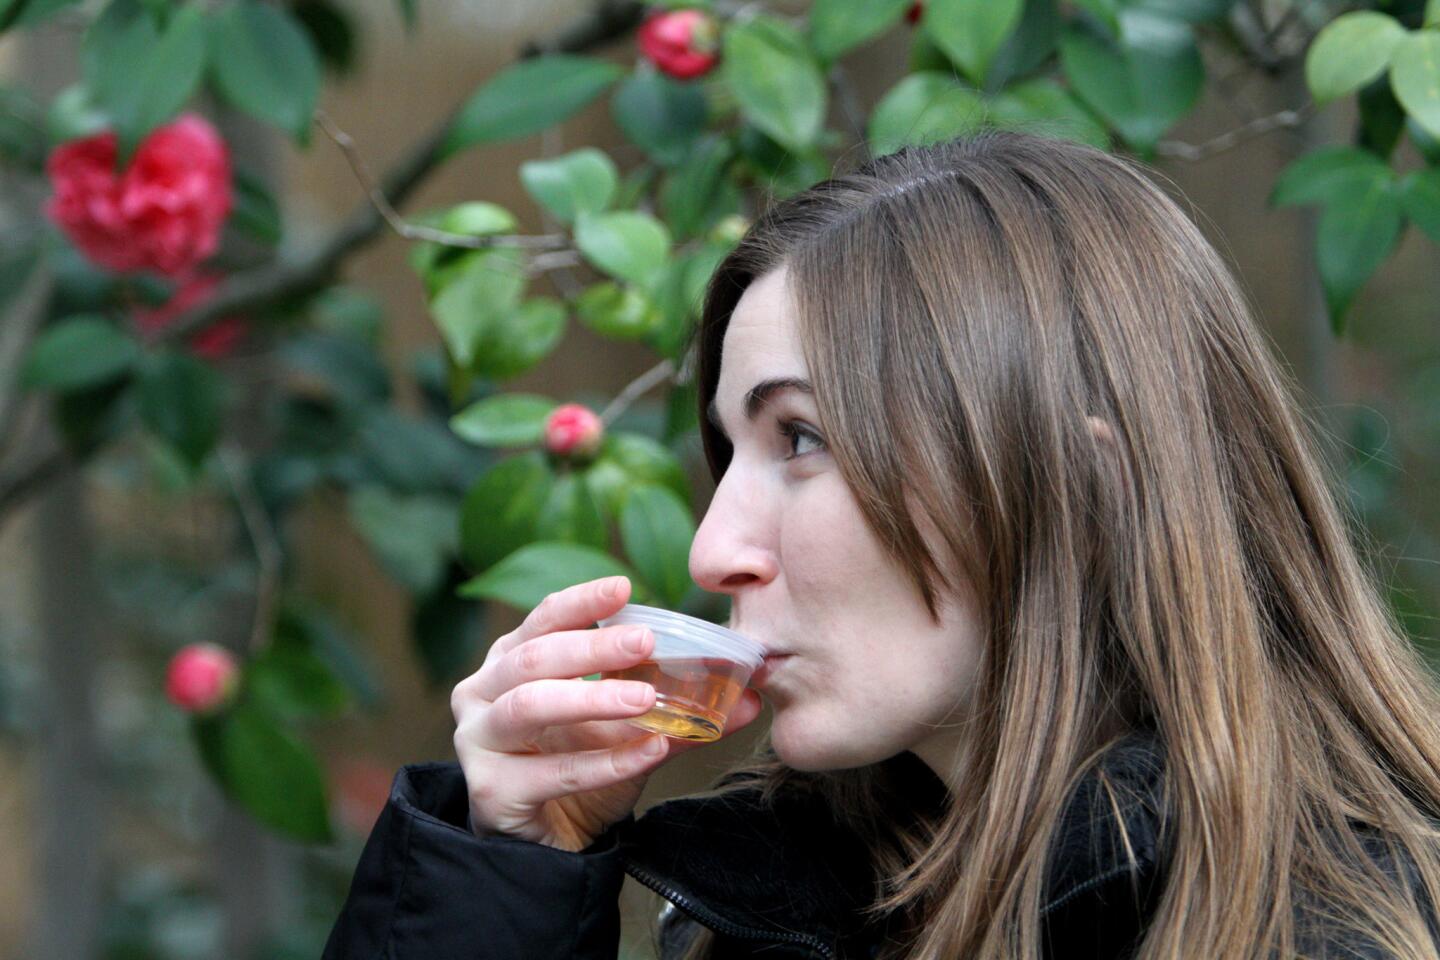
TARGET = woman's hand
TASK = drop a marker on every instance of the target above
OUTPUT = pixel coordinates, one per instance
(549, 758)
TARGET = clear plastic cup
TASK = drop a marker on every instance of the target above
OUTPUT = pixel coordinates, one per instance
(698, 670)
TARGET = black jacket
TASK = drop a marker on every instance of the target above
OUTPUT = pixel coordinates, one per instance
(774, 882)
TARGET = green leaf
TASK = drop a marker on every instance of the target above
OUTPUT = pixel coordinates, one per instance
(447, 632)
(501, 509)
(528, 97)
(1420, 197)
(580, 182)
(656, 528)
(626, 244)
(1382, 119)
(1322, 174)
(838, 25)
(73, 114)
(1028, 47)
(504, 420)
(274, 777)
(139, 76)
(1143, 87)
(412, 454)
(923, 108)
(697, 193)
(971, 31)
(572, 514)
(527, 576)
(290, 682)
(1415, 77)
(1042, 106)
(1352, 50)
(438, 262)
(776, 82)
(265, 65)
(77, 353)
(255, 212)
(521, 339)
(1192, 11)
(412, 536)
(1356, 234)
(21, 14)
(616, 311)
(638, 459)
(486, 288)
(182, 402)
(660, 115)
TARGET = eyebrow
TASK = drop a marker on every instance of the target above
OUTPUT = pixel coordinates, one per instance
(758, 394)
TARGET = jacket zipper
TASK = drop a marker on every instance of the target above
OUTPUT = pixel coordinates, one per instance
(708, 917)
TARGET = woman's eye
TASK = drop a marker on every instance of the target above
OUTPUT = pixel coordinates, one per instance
(794, 432)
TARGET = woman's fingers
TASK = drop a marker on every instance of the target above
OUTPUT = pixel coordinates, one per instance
(570, 653)
(570, 609)
(512, 723)
(541, 777)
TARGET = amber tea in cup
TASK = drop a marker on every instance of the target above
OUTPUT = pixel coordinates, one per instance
(698, 670)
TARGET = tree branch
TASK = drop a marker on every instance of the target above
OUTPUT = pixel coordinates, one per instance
(1256, 127)
(266, 286)
(269, 285)
(657, 374)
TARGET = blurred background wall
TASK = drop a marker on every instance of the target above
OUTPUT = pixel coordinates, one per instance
(101, 799)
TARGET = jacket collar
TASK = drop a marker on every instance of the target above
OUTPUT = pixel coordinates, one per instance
(791, 871)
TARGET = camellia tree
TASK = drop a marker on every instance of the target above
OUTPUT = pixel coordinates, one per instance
(494, 494)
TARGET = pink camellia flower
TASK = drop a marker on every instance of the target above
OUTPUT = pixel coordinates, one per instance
(216, 341)
(163, 213)
(202, 678)
(573, 430)
(682, 43)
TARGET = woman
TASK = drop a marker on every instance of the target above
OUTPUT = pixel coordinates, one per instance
(1081, 661)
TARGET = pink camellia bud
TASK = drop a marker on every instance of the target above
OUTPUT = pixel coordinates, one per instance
(681, 43)
(202, 678)
(573, 430)
(164, 212)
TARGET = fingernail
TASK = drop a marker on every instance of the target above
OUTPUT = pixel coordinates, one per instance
(653, 746)
(612, 588)
(635, 696)
(634, 641)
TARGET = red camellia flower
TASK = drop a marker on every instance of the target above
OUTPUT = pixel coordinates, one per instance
(573, 430)
(202, 678)
(682, 43)
(216, 341)
(916, 9)
(163, 213)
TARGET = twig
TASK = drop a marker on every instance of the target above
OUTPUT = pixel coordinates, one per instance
(554, 260)
(636, 388)
(1256, 127)
(266, 543)
(25, 479)
(413, 231)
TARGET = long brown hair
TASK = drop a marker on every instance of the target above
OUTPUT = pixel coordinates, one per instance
(963, 308)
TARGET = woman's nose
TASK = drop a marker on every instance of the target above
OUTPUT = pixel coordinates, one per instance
(733, 545)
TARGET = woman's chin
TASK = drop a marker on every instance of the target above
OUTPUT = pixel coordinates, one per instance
(807, 747)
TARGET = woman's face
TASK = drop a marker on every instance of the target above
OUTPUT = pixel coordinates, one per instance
(869, 674)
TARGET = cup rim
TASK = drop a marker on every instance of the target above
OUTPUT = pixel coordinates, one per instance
(690, 628)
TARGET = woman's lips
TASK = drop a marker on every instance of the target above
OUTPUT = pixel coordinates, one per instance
(762, 675)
